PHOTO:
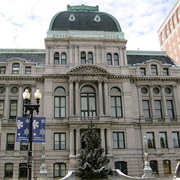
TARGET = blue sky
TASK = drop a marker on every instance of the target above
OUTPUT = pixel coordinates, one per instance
(24, 23)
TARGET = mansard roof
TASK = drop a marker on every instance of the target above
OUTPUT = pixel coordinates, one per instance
(84, 18)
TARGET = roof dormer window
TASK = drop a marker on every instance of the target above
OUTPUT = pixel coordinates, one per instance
(72, 17)
(15, 68)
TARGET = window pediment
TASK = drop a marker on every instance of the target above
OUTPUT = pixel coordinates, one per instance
(88, 70)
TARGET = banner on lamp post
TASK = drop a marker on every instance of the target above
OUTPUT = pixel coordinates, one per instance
(38, 129)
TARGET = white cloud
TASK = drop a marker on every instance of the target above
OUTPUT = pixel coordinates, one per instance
(24, 23)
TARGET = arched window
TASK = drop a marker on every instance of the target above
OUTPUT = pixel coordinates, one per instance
(154, 166)
(154, 71)
(90, 58)
(63, 59)
(109, 59)
(60, 103)
(88, 101)
(56, 58)
(22, 170)
(8, 170)
(116, 102)
(116, 59)
(59, 170)
(15, 68)
(122, 166)
(83, 58)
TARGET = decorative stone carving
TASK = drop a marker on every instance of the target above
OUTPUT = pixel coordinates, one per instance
(92, 70)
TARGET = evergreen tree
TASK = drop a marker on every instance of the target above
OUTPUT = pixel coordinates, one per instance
(92, 160)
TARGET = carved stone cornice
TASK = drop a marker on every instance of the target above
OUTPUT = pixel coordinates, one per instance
(88, 70)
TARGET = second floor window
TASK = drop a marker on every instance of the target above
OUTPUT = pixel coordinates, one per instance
(15, 68)
(83, 58)
(10, 142)
(109, 59)
(59, 169)
(28, 70)
(158, 108)
(116, 104)
(59, 103)
(118, 140)
(24, 146)
(13, 109)
(163, 140)
(150, 140)
(146, 109)
(59, 141)
(143, 71)
(176, 140)
(170, 109)
(88, 102)
(63, 59)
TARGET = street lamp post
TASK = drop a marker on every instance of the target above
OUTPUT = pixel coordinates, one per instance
(31, 108)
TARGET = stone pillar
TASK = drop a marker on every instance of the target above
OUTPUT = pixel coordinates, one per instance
(20, 102)
(71, 142)
(100, 98)
(77, 104)
(106, 98)
(70, 54)
(78, 141)
(102, 138)
(76, 58)
(97, 54)
(71, 99)
(125, 56)
(164, 104)
(121, 60)
(141, 114)
(176, 102)
(152, 103)
(109, 141)
(6, 103)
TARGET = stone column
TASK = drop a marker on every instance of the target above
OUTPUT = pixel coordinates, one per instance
(77, 104)
(78, 141)
(103, 60)
(121, 57)
(6, 103)
(141, 114)
(152, 103)
(176, 102)
(71, 142)
(20, 102)
(100, 98)
(70, 54)
(97, 54)
(106, 98)
(76, 54)
(109, 141)
(164, 104)
(102, 138)
(125, 56)
(71, 99)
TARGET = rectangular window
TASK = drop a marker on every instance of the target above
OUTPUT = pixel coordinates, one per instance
(15, 68)
(1, 108)
(146, 109)
(176, 142)
(59, 141)
(154, 71)
(59, 169)
(28, 70)
(165, 71)
(163, 140)
(24, 146)
(2, 69)
(150, 140)
(10, 141)
(170, 108)
(13, 109)
(118, 140)
(59, 107)
(116, 106)
(158, 108)
(143, 71)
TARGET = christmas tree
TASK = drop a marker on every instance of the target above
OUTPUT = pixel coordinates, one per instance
(92, 160)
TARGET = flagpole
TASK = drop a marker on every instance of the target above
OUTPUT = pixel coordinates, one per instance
(31, 108)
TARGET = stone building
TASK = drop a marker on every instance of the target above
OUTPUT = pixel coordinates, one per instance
(169, 33)
(85, 74)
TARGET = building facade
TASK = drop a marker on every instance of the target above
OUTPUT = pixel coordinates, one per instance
(169, 33)
(85, 74)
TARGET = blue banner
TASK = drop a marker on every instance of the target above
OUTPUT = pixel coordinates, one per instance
(38, 129)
